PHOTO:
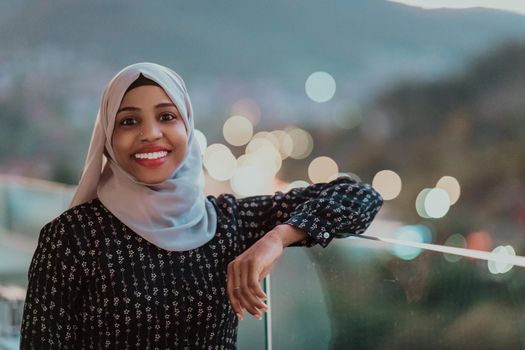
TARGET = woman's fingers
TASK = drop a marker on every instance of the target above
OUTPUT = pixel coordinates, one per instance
(248, 269)
(254, 282)
(244, 288)
(249, 295)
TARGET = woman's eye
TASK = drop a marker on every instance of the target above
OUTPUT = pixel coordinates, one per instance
(168, 116)
(127, 121)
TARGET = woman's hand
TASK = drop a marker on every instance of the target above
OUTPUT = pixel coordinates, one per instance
(246, 272)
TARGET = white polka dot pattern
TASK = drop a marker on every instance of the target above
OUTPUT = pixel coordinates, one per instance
(95, 284)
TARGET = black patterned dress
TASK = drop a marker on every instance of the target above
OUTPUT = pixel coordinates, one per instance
(95, 284)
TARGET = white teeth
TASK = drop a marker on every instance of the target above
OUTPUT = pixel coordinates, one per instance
(153, 155)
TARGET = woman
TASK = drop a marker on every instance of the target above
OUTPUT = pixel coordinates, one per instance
(142, 259)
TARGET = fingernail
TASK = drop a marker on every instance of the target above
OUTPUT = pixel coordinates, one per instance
(239, 316)
(258, 317)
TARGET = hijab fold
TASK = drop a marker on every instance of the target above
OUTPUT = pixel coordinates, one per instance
(173, 214)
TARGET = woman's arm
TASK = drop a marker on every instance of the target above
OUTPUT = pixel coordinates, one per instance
(303, 216)
(49, 319)
(248, 269)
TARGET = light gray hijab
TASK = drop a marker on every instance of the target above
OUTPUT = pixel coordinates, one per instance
(174, 214)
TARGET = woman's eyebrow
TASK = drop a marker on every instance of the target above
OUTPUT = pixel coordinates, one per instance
(165, 104)
(134, 109)
(123, 109)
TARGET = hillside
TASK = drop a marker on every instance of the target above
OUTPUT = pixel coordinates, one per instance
(468, 125)
(364, 43)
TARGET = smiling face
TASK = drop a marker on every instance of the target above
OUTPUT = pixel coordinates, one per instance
(153, 156)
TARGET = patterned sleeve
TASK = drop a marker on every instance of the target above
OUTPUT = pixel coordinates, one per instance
(49, 317)
(323, 211)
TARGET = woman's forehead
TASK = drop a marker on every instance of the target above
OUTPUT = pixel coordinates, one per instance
(141, 81)
(146, 97)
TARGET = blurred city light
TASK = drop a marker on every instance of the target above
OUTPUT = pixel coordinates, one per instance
(219, 162)
(455, 240)
(13, 292)
(267, 136)
(437, 203)
(303, 143)
(412, 233)
(258, 141)
(479, 240)
(451, 185)
(387, 183)
(285, 143)
(420, 203)
(266, 153)
(250, 180)
(237, 130)
(432, 203)
(247, 159)
(496, 267)
(321, 169)
(320, 87)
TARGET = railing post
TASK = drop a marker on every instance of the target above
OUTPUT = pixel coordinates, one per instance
(268, 314)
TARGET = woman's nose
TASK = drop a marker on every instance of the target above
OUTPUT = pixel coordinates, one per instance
(151, 131)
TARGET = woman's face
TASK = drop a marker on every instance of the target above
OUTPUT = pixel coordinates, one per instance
(149, 138)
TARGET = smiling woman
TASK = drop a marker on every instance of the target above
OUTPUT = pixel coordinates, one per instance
(150, 137)
(142, 259)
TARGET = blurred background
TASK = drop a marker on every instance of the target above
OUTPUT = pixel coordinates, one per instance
(421, 99)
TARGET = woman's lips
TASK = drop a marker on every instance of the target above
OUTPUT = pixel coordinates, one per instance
(151, 162)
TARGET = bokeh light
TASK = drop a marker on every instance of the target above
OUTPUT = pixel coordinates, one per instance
(412, 233)
(320, 87)
(455, 240)
(247, 159)
(432, 203)
(237, 130)
(420, 203)
(267, 136)
(267, 155)
(201, 140)
(479, 240)
(255, 170)
(250, 180)
(387, 183)
(303, 143)
(451, 185)
(285, 143)
(437, 203)
(321, 169)
(219, 162)
(496, 267)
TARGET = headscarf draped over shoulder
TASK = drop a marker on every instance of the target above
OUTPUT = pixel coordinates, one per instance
(174, 214)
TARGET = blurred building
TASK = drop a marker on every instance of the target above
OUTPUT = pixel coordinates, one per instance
(11, 310)
(25, 206)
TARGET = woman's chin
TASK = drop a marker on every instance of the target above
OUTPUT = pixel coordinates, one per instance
(149, 178)
(152, 180)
